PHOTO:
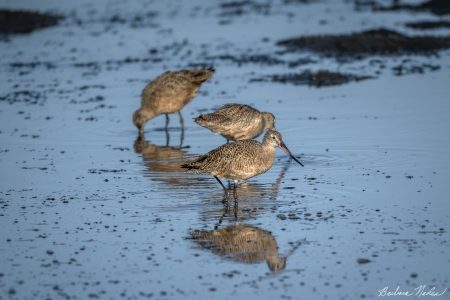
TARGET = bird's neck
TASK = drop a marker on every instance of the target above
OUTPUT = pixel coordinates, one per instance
(266, 143)
(268, 150)
(148, 114)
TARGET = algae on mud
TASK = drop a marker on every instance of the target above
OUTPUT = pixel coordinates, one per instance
(436, 7)
(316, 79)
(370, 42)
(21, 22)
(428, 25)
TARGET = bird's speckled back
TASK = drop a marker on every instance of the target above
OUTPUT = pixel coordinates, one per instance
(236, 161)
(234, 121)
(172, 90)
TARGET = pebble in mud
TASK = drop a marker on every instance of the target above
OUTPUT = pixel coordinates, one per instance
(281, 216)
(362, 260)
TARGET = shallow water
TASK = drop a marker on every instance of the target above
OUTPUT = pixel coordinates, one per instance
(87, 211)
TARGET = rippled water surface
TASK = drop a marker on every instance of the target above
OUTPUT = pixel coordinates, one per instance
(88, 210)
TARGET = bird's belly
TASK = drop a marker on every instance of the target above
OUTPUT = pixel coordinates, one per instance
(170, 106)
(243, 173)
(239, 133)
(169, 102)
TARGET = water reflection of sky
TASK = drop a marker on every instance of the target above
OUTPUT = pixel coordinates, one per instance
(89, 211)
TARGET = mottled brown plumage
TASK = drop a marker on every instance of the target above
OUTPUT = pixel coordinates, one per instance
(237, 121)
(240, 160)
(243, 243)
(169, 93)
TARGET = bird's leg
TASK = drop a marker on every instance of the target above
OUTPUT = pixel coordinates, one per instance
(166, 128)
(181, 119)
(224, 188)
(182, 129)
(235, 200)
(226, 209)
(167, 121)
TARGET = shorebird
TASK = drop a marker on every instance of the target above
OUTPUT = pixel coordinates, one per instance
(237, 121)
(241, 160)
(243, 243)
(169, 93)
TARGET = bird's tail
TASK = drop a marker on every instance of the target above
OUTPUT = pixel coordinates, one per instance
(189, 166)
(194, 166)
(211, 119)
(202, 120)
(200, 76)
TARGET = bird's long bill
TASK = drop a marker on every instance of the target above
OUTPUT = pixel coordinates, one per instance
(286, 150)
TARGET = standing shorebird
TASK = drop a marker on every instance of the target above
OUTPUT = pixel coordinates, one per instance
(169, 93)
(241, 160)
(237, 121)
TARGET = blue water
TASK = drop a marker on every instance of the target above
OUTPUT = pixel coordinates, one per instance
(84, 215)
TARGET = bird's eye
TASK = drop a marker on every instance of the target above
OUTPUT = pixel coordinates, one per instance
(273, 136)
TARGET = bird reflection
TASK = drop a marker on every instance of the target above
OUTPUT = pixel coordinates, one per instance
(163, 154)
(242, 243)
(163, 166)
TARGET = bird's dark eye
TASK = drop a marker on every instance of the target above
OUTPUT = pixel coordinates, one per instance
(273, 136)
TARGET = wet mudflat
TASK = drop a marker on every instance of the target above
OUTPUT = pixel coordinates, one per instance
(89, 210)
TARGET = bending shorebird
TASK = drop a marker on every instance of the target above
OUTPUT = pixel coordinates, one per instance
(169, 93)
(241, 160)
(237, 121)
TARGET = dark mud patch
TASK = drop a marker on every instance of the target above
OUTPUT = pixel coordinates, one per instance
(406, 69)
(261, 59)
(95, 67)
(20, 22)
(371, 42)
(25, 96)
(142, 20)
(316, 79)
(32, 65)
(240, 8)
(428, 25)
(436, 7)
(246, 59)
(110, 22)
(101, 171)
